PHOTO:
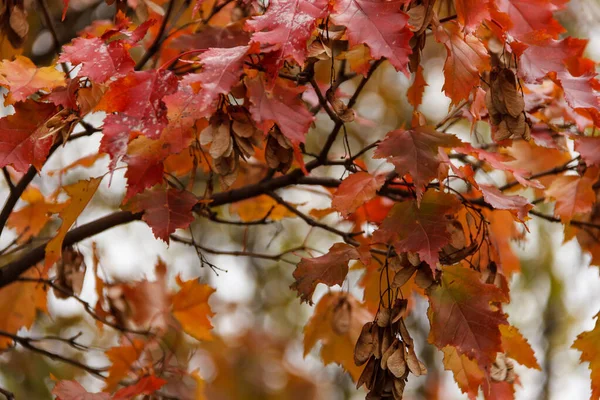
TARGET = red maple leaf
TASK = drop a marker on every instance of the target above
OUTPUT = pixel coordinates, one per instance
(461, 315)
(281, 105)
(286, 27)
(221, 69)
(24, 137)
(165, 210)
(99, 60)
(415, 152)
(419, 228)
(378, 24)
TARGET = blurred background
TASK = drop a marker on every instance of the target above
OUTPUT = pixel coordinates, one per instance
(259, 321)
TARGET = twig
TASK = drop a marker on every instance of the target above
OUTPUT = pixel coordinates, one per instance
(275, 257)
(158, 41)
(9, 181)
(27, 343)
(7, 394)
(52, 29)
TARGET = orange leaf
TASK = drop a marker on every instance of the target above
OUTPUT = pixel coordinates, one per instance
(330, 269)
(81, 193)
(466, 372)
(517, 347)
(145, 386)
(29, 220)
(122, 359)
(22, 78)
(258, 207)
(356, 190)
(191, 308)
(573, 194)
(415, 91)
(30, 298)
(589, 345)
(336, 347)
(467, 58)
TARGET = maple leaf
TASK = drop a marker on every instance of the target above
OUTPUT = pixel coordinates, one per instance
(148, 301)
(330, 269)
(532, 18)
(467, 58)
(420, 228)
(30, 297)
(573, 194)
(145, 159)
(589, 149)
(191, 308)
(221, 70)
(336, 347)
(471, 13)
(25, 139)
(287, 25)
(516, 347)
(415, 152)
(356, 190)
(22, 78)
(359, 58)
(461, 315)
(29, 220)
(587, 343)
(165, 210)
(467, 373)
(378, 24)
(100, 61)
(139, 96)
(122, 359)
(282, 106)
(72, 390)
(519, 206)
(145, 386)
(80, 194)
(538, 60)
(415, 91)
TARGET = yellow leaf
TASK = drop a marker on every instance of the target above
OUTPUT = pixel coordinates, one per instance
(81, 193)
(336, 347)
(467, 373)
(259, 207)
(191, 309)
(29, 220)
(517, 347)
(589, 345)
(22, 78)
(30, 298)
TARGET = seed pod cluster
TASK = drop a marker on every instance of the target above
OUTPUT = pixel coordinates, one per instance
(388, 351)
(230, 136)
(506, 106)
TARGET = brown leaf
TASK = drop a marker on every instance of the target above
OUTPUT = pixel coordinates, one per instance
(364, 345)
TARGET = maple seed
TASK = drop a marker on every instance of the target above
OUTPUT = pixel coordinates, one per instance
(396, 363)
(364, 345)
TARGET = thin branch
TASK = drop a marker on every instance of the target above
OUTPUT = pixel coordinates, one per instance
(87, 307)
(552, 171)
(27, 343)
(345, 235)
(572, 222)
(52, 29)
(158, 41)
(274, 257)
(9, 181)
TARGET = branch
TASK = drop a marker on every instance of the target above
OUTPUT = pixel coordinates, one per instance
(274, 257)
(88, 309)
(27, 343)
(345, 235)
(11, 271)
(7, 394)
(158, 41)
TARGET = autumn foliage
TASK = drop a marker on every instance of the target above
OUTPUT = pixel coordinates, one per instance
(218, 110)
